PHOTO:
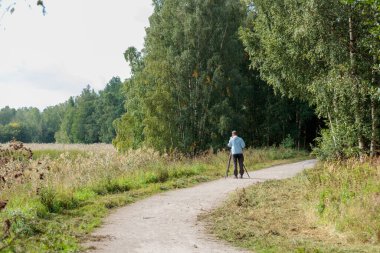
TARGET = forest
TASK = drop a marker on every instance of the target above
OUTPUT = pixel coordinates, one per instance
(206, 67)
(86, 118)
(304, 74)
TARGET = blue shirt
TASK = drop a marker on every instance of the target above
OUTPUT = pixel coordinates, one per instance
(236, 144)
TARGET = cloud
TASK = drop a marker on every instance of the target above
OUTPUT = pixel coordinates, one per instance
(47, 79)
(75, 44)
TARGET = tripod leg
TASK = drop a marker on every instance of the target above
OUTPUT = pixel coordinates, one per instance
(228, 166)
(246, 171)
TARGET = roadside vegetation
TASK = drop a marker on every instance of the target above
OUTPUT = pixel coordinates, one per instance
(333, 208)
(51, 197)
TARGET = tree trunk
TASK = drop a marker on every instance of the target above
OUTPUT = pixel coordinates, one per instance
(332, 128)
(358, 114)
(374, 106)
(299, 127)
(374, 129)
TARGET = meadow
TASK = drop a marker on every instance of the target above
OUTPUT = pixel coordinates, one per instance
(52, 195)
(332, 208)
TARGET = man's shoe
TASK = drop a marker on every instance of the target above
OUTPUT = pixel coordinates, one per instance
(241, 176)
(236, 177)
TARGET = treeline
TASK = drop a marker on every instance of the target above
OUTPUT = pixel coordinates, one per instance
(86, 118)
(265, 68)
(205, 67)
(192, 84)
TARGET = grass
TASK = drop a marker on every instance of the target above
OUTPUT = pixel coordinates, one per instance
(333, 208)
(57, 198)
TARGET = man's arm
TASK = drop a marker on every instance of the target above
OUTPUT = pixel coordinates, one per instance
(229, 143)
(242, 143)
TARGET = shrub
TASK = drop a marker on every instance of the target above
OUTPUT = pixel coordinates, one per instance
(56, 202)
(111, 185)
(48, 199)
(339, 144)
(288, 142)
(163, 175)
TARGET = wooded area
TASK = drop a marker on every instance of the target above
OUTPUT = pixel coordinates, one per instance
(192, 84)
(86, 118)
(277, 71)
(325, 53)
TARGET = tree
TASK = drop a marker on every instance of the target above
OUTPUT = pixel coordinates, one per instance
(192, 58)
(6, 115)
(318, 51)
(110, 106)
(84, 126)
(31, 122)
(63, 135)
(191, 84)
(52, 117)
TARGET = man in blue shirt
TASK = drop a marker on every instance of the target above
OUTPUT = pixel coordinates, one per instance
(237, 144)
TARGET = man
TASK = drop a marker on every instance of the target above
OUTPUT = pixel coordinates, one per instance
(237, 144)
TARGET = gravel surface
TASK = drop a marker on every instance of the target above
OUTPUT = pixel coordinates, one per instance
(168, 223)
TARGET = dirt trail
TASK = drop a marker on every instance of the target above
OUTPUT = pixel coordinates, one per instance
(168, 223)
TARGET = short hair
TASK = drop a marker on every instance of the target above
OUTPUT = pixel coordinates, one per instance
(234, 132)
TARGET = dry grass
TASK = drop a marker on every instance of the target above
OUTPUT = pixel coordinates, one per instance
(310, 213)
(72, 167)
(62, 193)
(347, 195)
(96, 148)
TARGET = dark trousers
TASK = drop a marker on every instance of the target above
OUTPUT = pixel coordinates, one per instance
(240, 158)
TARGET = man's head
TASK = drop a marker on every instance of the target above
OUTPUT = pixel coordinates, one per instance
(234, 133)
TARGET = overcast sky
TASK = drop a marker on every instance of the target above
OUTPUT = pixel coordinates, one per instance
(46, 59)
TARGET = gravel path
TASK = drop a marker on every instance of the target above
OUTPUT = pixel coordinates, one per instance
(167, 222)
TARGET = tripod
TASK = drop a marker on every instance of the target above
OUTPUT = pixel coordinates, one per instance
(228, 167)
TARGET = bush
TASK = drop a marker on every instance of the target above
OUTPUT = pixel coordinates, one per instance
(151, 177)
(163, 175)
(56, 202)
(47, 198)
(340, 144)
(112, 186)
(288, 142)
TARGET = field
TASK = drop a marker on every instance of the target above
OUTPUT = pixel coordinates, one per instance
(333, 208)
(53, 195)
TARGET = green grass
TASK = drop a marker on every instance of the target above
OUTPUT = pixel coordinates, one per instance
(56, 216)
(333, 208)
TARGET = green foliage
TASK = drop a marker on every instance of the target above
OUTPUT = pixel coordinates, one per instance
(304, 50)
(57, 201)
(51, 120)
(112, 185)
(87, 118)
(11, 131)
(288, 142)
(191, 85)
(6, 115)
(109, 106)
(339, 144)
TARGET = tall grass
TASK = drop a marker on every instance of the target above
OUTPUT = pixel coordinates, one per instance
(64, 191)
(347, 194)
(332, 208)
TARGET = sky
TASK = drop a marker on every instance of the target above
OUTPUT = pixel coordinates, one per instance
(45, 59)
